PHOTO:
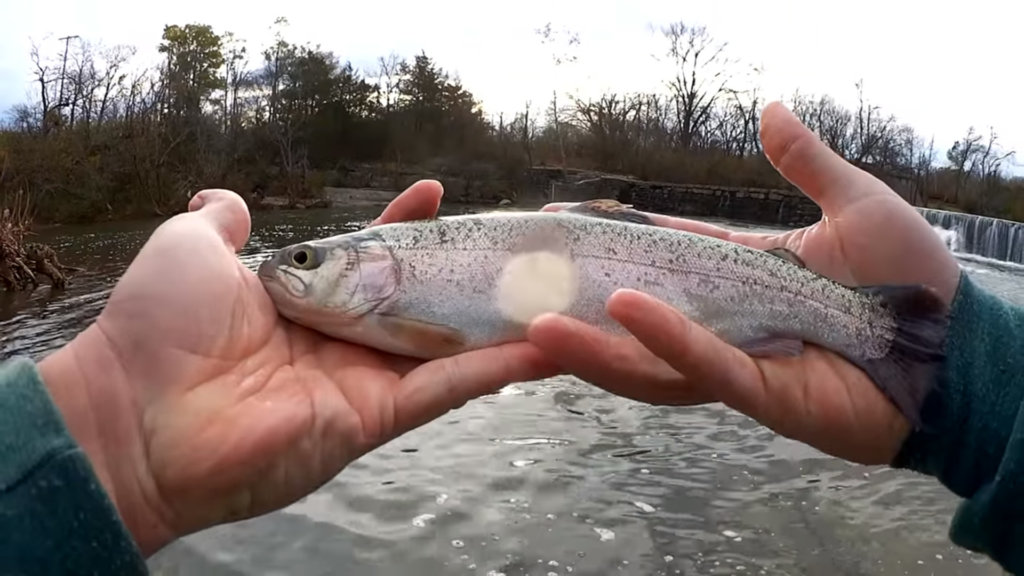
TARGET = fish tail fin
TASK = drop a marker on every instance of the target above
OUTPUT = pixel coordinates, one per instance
(907, 373)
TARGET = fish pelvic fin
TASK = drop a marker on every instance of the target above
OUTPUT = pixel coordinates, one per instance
(611, 210)
(772, 346)
(908, 371)
(419, 339)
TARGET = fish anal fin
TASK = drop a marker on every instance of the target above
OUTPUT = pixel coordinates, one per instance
(787, 255)
(770, 346)
(611, 210)
(422, 339)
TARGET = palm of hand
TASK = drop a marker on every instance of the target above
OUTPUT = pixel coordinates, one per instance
(234, 395)
(235, 411)
(868, 236)
(871, 237)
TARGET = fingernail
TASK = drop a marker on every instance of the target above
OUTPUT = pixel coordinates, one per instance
(196, 202)
(623, 292)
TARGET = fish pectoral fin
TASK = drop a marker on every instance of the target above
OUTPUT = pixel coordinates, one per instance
(610, 209)
(787, 255)
(772, 346)
(423, 339)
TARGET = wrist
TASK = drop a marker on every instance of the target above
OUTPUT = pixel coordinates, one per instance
(88, 385)
(968, 418)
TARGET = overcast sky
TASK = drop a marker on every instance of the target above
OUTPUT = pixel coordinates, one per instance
(940, 66)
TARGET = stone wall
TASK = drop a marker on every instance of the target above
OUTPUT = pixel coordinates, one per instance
(538, 185)
(776, 207)
(474, 184)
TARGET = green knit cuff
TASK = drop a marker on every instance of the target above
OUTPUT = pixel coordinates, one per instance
(968, 418)
(55, 516)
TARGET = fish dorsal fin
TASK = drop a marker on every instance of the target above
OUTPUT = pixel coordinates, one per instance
(787, 255)
(610, 209)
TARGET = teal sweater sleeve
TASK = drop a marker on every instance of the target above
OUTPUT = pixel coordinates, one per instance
(972, 439)
(55, 517)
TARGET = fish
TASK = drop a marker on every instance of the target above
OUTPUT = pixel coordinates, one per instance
(438, 287)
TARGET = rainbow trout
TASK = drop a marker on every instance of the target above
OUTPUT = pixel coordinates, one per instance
(435, 288)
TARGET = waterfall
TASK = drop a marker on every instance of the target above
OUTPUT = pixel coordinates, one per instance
(979, 235)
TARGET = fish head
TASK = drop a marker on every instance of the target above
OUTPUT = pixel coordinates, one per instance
(332, 282)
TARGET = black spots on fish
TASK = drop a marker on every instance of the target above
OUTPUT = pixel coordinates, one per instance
(442, 235)
(610, 209)
(705, 284)
(908, 370)
(545, 236)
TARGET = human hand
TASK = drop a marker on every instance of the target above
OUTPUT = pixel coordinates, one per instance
(198, 404)
(867, 235)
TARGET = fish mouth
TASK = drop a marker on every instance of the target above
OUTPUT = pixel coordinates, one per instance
(267, 269)
(270, 273)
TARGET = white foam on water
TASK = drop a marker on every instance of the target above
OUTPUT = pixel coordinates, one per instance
(953, 242)
(950, 237)
(421, 520)
(644, 506)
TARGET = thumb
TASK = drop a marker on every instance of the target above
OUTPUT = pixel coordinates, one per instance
(418, 202)
(805, 161)
(226, 212)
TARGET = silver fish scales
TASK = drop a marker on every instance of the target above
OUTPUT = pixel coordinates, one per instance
(439, 287)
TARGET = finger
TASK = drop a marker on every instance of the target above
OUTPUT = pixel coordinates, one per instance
(619, 365)
(753, 240)
(803, 159)
(701, 357)
(436, 387)
(759, 241)
(417, 202)
(557, 206)
(226, 212)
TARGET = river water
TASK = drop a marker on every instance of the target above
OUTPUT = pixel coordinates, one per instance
(552, 477)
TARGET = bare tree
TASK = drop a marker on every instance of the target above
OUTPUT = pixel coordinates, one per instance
(44, 77)
(962, 156)
(872, 130)
(702, 74)
(388, 74)
(560, 55)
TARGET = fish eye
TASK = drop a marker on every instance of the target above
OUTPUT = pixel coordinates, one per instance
(302, 257)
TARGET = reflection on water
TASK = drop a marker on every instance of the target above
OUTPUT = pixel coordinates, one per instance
(550, 477)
